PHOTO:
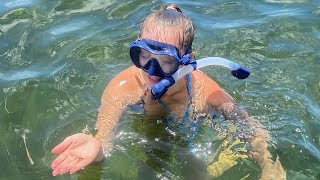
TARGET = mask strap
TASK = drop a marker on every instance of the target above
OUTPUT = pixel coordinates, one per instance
(187, 59)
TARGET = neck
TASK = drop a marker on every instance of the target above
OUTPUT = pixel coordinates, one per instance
(178, 86)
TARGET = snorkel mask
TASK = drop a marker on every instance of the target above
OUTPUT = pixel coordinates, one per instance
(167, 62)
(166, 57)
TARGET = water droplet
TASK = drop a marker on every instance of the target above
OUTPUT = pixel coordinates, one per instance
(287, 98)
(298, 130)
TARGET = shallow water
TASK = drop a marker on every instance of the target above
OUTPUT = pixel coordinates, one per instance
(56, 58)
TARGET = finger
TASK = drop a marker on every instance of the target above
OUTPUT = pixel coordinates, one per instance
(73, 163)
(62, 167)
(81, 164)
(57, 169)
(62, 146)
(55, 172)
(58, 160)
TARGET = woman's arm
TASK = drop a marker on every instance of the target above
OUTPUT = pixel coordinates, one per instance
(124, 89)
(258, 139)
(218, 98)
(79, 150)
(108, 116)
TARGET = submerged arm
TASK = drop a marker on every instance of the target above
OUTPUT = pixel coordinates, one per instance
(108, 116)
(259, 141)
(120, 92)
(79, 150)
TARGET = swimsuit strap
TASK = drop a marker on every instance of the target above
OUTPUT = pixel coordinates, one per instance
(188, 81)
(163, 104)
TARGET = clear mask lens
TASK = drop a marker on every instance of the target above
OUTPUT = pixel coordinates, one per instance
(140, 57)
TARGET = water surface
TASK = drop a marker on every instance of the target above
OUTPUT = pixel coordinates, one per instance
(57, 56)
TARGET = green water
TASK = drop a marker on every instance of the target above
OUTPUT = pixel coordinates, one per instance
(57, 56)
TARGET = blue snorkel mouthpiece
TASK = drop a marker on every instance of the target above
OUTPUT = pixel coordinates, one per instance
(159, 88)
(241, 73)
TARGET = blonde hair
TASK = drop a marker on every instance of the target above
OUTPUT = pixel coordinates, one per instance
(167, 20)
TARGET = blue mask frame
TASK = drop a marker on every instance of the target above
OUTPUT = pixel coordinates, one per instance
(152, 67)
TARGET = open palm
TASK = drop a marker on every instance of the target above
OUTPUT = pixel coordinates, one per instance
(76, 152)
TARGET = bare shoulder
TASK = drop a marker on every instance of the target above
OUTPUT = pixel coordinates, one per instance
(207, 91)
(126, 84)
(124, 74)
(126, 78)
(201, 79)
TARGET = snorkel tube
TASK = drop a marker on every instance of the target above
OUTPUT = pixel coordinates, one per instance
(159, 88)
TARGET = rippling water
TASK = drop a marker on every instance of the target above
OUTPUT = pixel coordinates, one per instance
(57, 57)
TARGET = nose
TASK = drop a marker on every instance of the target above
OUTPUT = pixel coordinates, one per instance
(153, 68)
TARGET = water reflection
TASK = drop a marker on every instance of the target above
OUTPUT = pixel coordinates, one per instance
(80, 6)
(18, 3)
(71, 27)
(57, 56)
(13, 18)
(286, 1)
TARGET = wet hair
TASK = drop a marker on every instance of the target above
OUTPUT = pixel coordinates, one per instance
(170, 19)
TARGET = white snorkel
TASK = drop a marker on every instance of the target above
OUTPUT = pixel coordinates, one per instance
(158, 89)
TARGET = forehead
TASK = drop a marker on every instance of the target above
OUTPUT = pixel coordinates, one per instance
(166, 35)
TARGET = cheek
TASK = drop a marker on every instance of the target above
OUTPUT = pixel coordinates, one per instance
(143, 60)
(143, 57)
(146, 80)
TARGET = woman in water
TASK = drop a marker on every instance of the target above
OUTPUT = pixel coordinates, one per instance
(164, 46)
